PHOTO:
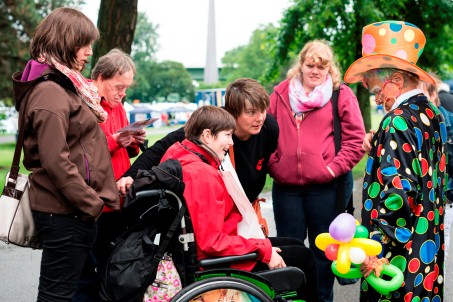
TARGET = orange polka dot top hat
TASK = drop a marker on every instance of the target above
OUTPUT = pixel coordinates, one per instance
(389, 44)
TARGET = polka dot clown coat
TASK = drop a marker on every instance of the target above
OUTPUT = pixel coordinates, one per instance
(403, 199)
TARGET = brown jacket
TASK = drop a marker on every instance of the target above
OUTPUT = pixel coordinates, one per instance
(65, 149)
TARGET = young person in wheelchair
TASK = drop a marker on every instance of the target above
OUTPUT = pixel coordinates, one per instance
(255, 139)
(213, 212)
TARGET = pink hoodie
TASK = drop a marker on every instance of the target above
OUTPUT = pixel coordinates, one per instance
(304, 151)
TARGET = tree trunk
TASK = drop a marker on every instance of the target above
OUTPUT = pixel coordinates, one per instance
(116, 22)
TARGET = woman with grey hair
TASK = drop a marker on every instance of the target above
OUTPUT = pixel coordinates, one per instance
(112, 75)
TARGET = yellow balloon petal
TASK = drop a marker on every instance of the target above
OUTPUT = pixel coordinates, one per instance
(323, 240)
(371, 247)
(343, 260)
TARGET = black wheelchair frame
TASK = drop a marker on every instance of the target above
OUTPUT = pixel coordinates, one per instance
(266, 286)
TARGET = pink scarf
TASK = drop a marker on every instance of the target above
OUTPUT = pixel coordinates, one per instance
(85, 88)
(301, 102)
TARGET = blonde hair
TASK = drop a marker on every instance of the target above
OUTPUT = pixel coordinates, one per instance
(319, 52)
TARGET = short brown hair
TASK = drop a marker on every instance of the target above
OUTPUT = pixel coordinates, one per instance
(61, 34)
(242, 91)
(213, 118)
(114, 62)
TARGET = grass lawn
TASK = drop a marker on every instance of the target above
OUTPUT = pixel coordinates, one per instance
(7, 152)
(6, 159)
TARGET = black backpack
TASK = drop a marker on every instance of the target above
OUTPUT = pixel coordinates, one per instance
(134, 257)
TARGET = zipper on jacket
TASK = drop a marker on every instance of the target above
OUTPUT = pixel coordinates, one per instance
(298, 118)
(297, 122)
(299, 167)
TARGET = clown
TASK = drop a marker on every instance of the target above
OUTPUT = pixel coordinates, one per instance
(403, 200)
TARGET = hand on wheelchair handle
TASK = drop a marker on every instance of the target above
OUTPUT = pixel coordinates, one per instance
(276, 260)
(123, 184)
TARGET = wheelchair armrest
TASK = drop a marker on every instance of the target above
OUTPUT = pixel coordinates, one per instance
(284, 279)
(227, 259)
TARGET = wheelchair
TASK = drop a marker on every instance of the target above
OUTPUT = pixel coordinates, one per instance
(216, 282)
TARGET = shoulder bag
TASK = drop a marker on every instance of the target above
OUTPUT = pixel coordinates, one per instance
(16, 221)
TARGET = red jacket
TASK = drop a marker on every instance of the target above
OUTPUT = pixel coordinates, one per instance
(120, 156)
(213, 212)
(304, 151)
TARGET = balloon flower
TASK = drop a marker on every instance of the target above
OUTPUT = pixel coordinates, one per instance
(347, 243)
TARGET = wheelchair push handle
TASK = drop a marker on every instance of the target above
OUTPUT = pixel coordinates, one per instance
(147, 194)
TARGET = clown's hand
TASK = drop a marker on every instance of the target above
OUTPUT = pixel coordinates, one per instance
(371, 264)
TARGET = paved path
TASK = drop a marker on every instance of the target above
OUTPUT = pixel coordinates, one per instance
(19, 267)
(350, 293)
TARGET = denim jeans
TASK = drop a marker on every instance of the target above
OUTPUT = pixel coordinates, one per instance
(301, 211)
(66, 243)
(110, 225)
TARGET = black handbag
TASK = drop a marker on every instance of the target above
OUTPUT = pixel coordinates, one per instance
(133, 262)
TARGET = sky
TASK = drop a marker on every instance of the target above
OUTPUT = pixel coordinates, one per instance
(183, 25)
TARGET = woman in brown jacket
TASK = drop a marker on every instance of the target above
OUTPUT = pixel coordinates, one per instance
(64, 148)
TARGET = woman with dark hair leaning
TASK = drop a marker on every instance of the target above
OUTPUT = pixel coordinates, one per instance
(213, 212)
(64, 148)
(255, 139)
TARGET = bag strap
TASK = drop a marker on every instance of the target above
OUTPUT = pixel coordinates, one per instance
(163, 246)
(14, 171)
(337, 139)
(336, 121)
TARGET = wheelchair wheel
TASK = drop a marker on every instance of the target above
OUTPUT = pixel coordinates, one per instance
(222, 289)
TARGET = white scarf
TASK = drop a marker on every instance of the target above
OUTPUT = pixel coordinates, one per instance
(301, 102)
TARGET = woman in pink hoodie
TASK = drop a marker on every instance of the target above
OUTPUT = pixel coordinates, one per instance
(305, 167)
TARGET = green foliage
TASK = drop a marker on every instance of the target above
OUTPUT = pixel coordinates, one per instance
(144, 47)
(340, 22)
(173, 78)
(6, 159)
(220, 84)
(156, 81)
(254, 59)
(8, 102)
(18, 20)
